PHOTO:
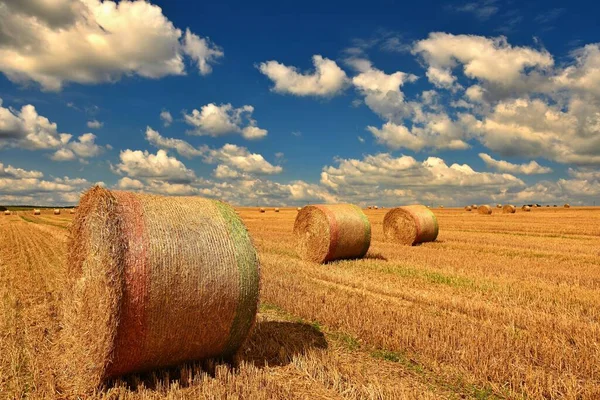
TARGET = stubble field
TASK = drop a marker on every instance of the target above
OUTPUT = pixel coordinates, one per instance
(501, 306)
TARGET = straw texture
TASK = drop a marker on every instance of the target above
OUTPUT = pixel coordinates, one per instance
(331, 232)
(410, 225)
(484, 209)
(155, 281)
(509, 209)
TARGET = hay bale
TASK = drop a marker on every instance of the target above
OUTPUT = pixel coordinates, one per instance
(276, 209)
(498, 205)
(56, 211)
(6, 212)
(298, 208)
(441, 206)
(369, 207)
(37, 212)
(509, 209)
(484, 209)
(468, 208)
(262, 210)
(375, 207)
(567, 205)
(72, 211)
(526, 208)
(331, 232)
(154, 281)
(410, 225)
(474, 206)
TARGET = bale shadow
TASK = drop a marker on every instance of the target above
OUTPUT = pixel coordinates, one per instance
(275, 343)
(271, 343)
(375, 256)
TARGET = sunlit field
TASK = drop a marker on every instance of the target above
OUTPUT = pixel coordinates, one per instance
(500, 306)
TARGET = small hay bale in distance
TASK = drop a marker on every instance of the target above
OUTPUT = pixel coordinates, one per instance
(526, 208)
(56, 211)
(262, 210)
(6, 212)
(299, 208)
(441, 206)
(410, 225)
(498, 205)
(484, 209)
(567, 205)
(328, 232)
(375, 208)
(474, 206)
(154, 281)
(72, 211)
(468, 208)
(36, 212)
(509, 209)
(369, 207)
(276, 209)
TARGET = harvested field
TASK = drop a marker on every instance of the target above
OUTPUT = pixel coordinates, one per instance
(497, 307)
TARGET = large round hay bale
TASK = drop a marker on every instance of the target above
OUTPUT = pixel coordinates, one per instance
(262, 210)
(154, 281)
(36, 212)
(7, 212)
(509, 209)
(332, 232)
(484, 209)
(468, 208)
(567, 205)
(56, 211)
(526, 208)
(410, 225)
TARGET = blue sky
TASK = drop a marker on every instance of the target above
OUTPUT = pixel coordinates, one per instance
(280, 104)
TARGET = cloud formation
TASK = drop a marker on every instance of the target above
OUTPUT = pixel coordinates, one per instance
(94, 41)
(213, 120)
(327, 80)
(530, 168)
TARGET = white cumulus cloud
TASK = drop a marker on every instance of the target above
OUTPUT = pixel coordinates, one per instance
(327, 80)
(530, 168)
(213, 120)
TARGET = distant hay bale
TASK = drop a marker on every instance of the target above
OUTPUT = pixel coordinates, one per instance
(484, 209)
(555, 205)
(276, 209)
(441, 206)
(474, 206)
(37, 212)
(468, 208)
(509, 209)
(72, 211)
(567, 205)
(526, 208)
(299, 208)
(56, 211)
(153, 282)
(375, 207)
(262, 210)
(410, 225)
(331, 232)
(6, 212)
(498, 205)
(369, 207)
